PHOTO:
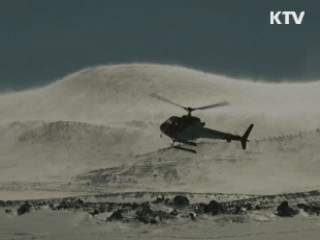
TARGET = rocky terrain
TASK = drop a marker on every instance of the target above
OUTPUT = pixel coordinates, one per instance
(168, 207)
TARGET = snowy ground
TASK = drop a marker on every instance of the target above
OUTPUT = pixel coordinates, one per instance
(69, 225)
(75, 222)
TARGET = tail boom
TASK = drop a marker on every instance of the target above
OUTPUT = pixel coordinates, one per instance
(214, 134)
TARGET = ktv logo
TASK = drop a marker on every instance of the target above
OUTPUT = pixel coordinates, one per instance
(286, 16)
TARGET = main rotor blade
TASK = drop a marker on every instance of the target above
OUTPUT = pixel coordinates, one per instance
(219, 104)
(166, 100)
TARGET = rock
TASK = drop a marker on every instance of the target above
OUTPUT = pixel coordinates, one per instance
(9, 203)
(199, 208)
(181, 201)
(248, 207)
(152, 217)
(174, 212)
(2, 203)
(214, 208)
(303, 206)
(284, 210)
(78, 203)
(116, 216)
(64, 205)
(134, 205)
(143, 219)
(159, 199)
(153, 221)
(94, 212)
(24, 208)
(309, 209)
(148, 216)
(192, 216)
(101, 207)
(257, 207)
(8, 211)
(52, 206)
(144, 214)
(238, 209)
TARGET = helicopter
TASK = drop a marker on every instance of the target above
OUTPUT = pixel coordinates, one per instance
(187, 129)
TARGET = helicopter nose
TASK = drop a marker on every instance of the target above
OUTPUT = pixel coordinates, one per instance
(163, 128)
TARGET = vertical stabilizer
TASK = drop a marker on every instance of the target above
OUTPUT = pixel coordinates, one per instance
(244, 138)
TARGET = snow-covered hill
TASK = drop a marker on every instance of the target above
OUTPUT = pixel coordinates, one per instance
(100, 126)
(288, 163)
(121, 93)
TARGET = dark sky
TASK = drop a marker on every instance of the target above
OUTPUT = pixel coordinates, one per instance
(43, 40)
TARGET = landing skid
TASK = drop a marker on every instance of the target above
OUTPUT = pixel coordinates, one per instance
(182, 147)
(185, 142)
(185, 149)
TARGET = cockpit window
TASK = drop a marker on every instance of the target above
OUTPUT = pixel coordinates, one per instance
(173, 121)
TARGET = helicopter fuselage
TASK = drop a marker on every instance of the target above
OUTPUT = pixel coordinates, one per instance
(187, 129)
